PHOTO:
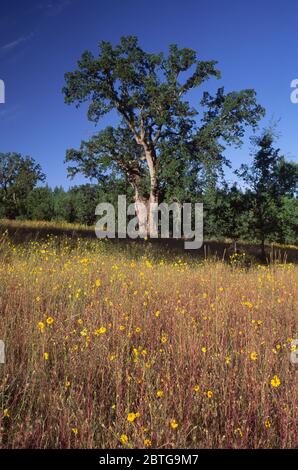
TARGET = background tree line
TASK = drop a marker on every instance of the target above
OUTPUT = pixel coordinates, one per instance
(263, 209)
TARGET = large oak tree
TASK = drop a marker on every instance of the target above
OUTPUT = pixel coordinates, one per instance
(157, 124)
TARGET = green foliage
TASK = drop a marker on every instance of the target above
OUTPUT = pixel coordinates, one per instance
(111, 157)
(137, 84)
(161, 148)
(287, 221)
(63, 205)
(40, 204)
(226, 212)
(18, 176)
(269, 178)
(84, 199)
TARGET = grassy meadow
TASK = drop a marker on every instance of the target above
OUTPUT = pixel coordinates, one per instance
(131, 347)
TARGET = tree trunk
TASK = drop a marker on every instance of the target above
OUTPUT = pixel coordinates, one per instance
(263, 252)
(141, 206)
(153, 198)
(146, 209)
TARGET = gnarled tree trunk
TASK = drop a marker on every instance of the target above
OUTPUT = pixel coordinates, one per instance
(153, 198)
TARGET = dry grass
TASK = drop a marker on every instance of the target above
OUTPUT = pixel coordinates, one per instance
(185, 349)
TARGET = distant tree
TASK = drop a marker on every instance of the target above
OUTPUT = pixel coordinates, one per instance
(40, 204)
(64, 209)
(287, 227)
(18, 176)
(148, 93)
(227, 213)
(84, 199)
(286, 177)
(269, 178)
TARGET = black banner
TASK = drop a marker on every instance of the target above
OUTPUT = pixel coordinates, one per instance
(141, 458)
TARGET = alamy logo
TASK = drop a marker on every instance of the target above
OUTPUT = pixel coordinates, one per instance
(2, 92)
(154, 220)
(2, 352)
(294, 94)
(294, 352)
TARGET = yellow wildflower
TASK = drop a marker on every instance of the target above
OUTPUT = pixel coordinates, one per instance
(147, 443)
(253, 356)
(123, 439)
(238, 431)
(100, 331)
(174, 424)
(275, 381)
(131, 417)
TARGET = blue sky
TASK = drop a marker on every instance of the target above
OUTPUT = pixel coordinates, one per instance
(254, 43)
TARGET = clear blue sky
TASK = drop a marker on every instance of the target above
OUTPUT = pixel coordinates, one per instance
(255, 43)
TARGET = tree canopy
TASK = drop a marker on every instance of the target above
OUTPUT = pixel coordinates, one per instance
(149, 92)
(18, 176)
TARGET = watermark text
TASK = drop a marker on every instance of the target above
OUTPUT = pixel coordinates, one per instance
(140, 220)
(2, 92)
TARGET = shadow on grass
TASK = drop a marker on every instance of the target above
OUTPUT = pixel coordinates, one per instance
(158, 248)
